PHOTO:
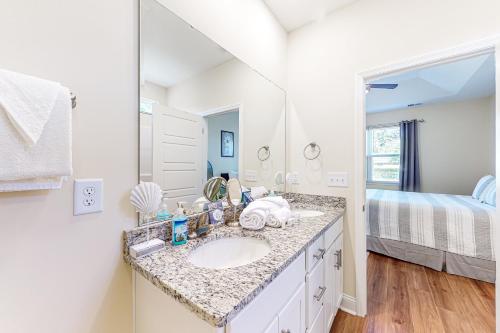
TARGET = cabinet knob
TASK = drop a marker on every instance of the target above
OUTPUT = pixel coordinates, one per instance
(286, 331)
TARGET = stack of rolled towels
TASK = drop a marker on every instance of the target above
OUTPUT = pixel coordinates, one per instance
(272, 211)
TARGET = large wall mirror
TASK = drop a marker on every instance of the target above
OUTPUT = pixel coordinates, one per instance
(203, 112)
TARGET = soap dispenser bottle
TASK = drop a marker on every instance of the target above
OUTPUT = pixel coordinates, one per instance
(163, 213)
(179, 226)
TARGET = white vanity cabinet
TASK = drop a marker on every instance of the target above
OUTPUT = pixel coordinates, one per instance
(303, 298)
(324, 281)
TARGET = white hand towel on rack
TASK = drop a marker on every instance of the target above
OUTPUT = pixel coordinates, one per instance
(35, 152)
(28, 102)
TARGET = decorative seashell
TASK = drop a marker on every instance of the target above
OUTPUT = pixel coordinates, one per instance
(146, 197)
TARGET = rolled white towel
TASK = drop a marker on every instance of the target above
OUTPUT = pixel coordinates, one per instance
(258, 192)
(278, 218)
(278, 201)
(253, 218)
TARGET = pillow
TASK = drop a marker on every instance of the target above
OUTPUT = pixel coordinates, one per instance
(489, 195)
(481, 186)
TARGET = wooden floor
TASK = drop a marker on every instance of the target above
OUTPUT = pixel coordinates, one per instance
(403, 297)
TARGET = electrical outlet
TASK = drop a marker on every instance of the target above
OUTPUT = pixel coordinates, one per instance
(87, 202)
(89, 191)
(87, 196)
(337, 179)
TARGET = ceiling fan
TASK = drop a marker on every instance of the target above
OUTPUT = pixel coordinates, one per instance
(380, 86)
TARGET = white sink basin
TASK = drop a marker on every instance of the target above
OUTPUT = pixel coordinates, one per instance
(229, 252)
(307, 212)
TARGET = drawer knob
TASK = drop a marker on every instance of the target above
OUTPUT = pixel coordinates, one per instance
(286, 331)
(320, 294)
(319, 254)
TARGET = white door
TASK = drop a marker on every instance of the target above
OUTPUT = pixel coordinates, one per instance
(177, 154)
(292, 318)
(329, 300)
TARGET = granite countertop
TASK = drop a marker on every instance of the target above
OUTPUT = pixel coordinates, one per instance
(218, 295)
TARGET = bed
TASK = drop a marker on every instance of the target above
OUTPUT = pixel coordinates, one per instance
(447, 232)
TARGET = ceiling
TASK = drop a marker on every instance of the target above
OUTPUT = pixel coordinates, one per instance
(172, 51)
(461, 80)
(293, 14)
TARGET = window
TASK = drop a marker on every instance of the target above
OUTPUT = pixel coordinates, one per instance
(382, 156)
(146, 105)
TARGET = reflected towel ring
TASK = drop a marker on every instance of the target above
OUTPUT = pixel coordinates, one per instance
(315, 149)
(73, 101)
(267, 153)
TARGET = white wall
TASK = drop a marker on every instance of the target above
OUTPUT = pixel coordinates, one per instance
(60, 273)
(154, 92)
(245, 28)
(324, 57)
(262, 106)
(216, 124)
(456, 143)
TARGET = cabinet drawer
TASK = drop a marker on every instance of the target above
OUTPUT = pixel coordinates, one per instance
(316, 291)
(333, 232)
(314, 253)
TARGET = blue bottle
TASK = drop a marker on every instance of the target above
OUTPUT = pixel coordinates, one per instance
(179, 228)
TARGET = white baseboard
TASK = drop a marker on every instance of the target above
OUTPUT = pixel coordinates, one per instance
(348, 304)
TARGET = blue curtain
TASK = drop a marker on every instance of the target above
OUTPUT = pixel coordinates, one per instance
(409, 171)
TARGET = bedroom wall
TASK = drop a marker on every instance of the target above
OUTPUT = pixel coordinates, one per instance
(323, 59)
(451, 134)
(215, 124)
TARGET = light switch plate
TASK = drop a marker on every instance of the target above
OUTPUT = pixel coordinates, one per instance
(292, 178)
(250, 175)
(337, 179)
(87, 196)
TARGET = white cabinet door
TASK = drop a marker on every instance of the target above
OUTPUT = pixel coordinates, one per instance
(273, 327)
(292, 318)
(339, 270)
(329, 301)
(318, 325)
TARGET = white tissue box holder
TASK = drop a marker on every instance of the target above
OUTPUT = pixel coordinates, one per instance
(148, 247)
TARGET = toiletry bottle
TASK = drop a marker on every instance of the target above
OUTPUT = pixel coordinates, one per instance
(163, 213)
(179, 227)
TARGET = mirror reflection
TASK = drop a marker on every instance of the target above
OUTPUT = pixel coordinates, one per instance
(215, 189)
(203, 112)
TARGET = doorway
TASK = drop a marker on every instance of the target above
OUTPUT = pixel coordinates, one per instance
(362, 79)
(222, 141)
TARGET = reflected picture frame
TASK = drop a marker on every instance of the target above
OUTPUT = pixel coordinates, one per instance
(226, 144)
